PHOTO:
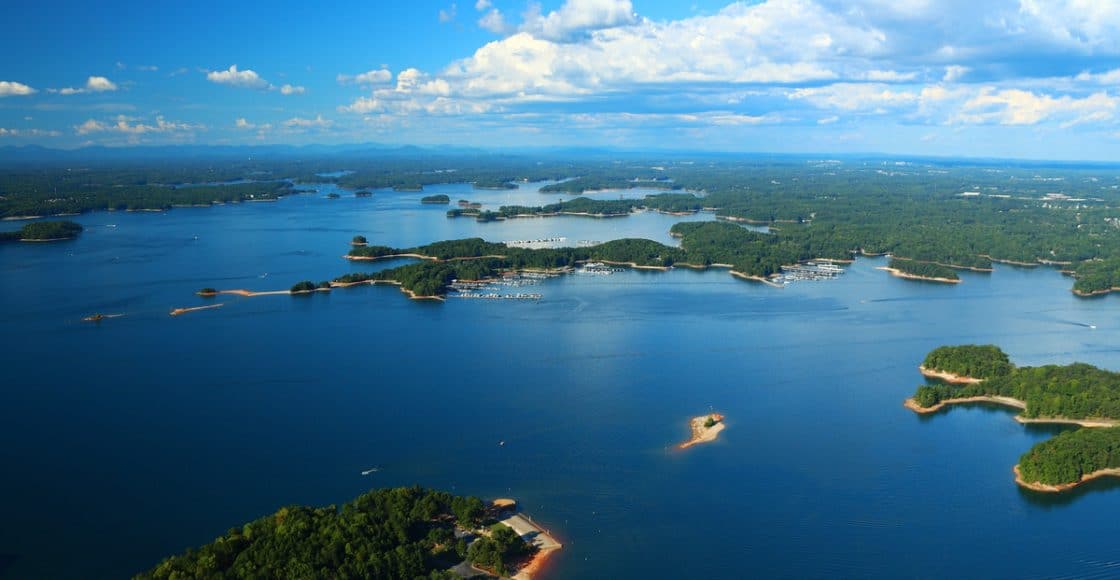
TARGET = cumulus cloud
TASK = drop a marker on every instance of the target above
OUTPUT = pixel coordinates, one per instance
(292, 90)
(494, 21)
(131, 126)
(12, 88)
(578, 17)
(27, 133)
(94, 84)
(1019, 107)
(245, 79)
(372, 77)
(317, 122)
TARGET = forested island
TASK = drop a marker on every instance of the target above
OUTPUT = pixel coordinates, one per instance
(405, 533)
(46, 231)
(1077, 393)
(918, 270)
(746, 253)
(435, 199)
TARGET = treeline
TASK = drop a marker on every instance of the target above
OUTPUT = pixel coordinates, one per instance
(668, 202)
(79, 199)
(405, 532)
(702, 244)
(1097, 276)
(45, 230)
(923, 269)
(980, 361)
(1071, 455)
(1075, 391)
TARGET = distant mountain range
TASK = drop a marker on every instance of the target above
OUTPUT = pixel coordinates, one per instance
(24, 154)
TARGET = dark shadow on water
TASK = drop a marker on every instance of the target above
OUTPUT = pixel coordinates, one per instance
(6, 563)
(1059, 500)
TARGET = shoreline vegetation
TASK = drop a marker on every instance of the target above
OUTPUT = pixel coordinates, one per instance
(405, 532)
(46, 231)
(1075, 394)
(924, 220)
(705, 429)
(748, 255)
(924, 271)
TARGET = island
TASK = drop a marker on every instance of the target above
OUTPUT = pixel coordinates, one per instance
(359, 241)
(363, 193)
(46, 231)
(713, 244)
(435, 199)
(1077, 394)
(925, 271)
(705, 429)
(1070, 459)
(405, 532)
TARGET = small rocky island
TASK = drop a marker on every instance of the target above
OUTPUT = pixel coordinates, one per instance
(705, 429)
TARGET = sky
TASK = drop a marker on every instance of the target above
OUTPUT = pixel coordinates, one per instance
(991, 78)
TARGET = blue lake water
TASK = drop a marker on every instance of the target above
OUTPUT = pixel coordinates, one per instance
(131, 439)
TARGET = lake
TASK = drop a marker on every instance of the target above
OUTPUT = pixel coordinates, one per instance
(132, 439)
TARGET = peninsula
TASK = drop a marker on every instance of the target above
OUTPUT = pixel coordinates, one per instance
(705, 429)
(405, 532)
(1078, 394)
(925, 271)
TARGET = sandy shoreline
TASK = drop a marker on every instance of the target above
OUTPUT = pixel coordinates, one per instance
(388, 257)
(178, 311)
(1006, 401)
(1100, 292)
(948, 377)
(743, 276)
(900, 274)
(1014, 403)
(702, 434)
(1057, 488)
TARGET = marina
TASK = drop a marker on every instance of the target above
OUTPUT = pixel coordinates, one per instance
(809, 271)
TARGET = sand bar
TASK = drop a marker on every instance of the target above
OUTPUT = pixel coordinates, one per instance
(701, 433)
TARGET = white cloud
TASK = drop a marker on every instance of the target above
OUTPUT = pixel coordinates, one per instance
(577, 17)
(292, 90)
(1019, 107)
(241, 123)
(481, 5)
(372, 77)
(1111, 77)
(317, 122)
(246, 79)
(362, 105)
(828, 120)
(447, 15)
(855, 96)
(953, 73)
(130, 126)
(494, 21)
(27, 133)
(12, 88)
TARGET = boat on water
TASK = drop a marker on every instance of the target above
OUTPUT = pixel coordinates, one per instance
(370, 470)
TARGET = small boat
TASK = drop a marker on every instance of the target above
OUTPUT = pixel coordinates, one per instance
(94, 318)
(371, 470)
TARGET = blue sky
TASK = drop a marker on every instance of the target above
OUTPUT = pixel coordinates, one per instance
(998, 78)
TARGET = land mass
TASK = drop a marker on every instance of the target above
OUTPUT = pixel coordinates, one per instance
(705, 429)
(1075, 394)
(406, 532)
